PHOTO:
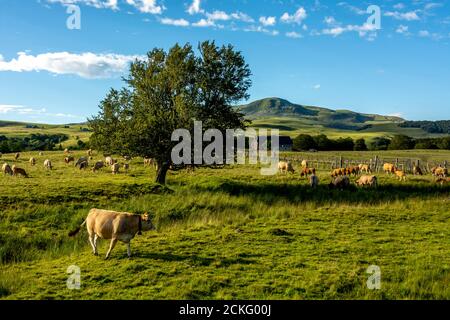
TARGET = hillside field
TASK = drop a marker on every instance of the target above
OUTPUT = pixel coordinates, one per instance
(225, 233)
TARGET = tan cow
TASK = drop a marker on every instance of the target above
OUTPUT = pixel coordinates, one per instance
(370, 181)
(115, 168)
(285, 167)
(98, 165)
(19, 171)
(6, 169)
(307, 171)
(401, 175)
(389, 168)
(114, 226)
(304, 164)
(338, 172)
(48, 164)
(32, 161)
(440, 172)
(365, 168)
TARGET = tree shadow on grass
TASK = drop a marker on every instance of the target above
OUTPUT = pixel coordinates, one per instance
(299, 193)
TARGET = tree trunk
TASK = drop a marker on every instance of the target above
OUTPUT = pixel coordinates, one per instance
(161, 172)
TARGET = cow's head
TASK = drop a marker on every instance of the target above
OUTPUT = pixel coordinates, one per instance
(147, 224)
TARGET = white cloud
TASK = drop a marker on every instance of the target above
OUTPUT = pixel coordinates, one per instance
(242, 17)
(330, 21)
(408, 16)
(293, 35)
(268, 21)
(24, 110)
(297, 17)
(175, 22)
(99, 4)
(317, 87)
(399, 6)
(262, 30)
(352, 8)
(402, 29)
(366, 30)
(195, 7)
(218, 15)
(86, 65)
(204, 23)
(146, 6)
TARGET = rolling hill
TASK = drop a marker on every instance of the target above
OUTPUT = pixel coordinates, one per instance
(293, 119)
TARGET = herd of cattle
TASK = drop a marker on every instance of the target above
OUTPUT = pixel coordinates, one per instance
(82, 163)
(340, 177)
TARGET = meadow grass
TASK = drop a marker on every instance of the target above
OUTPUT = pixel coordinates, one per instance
(225, 233)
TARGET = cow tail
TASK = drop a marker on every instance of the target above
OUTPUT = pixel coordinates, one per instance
(77, 230)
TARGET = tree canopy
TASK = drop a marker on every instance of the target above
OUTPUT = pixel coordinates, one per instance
(168, 91)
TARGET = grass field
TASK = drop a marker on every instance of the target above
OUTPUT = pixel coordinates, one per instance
(225, 233)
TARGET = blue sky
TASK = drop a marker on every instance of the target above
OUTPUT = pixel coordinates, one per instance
(323, 53)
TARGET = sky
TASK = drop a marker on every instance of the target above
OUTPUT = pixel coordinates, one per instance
(59, 58)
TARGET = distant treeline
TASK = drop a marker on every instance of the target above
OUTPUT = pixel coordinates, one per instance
(442, 126)
(33, 142)
(305, 142)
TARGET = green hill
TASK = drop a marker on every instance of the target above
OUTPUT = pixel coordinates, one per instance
(292, 119)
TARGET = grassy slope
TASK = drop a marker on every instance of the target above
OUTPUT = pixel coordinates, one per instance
(228, 233)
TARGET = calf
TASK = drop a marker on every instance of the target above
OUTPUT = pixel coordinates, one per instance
(32, 161)
(365, 168)
(307, 171)
(389, 168)
(401, 175)
(114, 226)
(115, 168)
(69, 159)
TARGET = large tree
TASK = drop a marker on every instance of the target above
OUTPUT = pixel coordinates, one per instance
(169, 91)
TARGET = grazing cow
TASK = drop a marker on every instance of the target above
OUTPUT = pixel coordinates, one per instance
(109, 161)
(442, 181)
(307, 171)
(440, 172)
(365, 168)
(126, 167)
(401, 175)
(41, 154)
(6, 169)
(389, 168)
(84, 165)
(285, 167)
(351, 171)
(80, 161)
(66, 151)
(32, 161)
(304, 164)
(370, 181)
(338, 172)
(417, 171)
(19, 171)
(48, 164)
(69, 159)
(16, 156)
(89, 152)
(98, 165)
(313, 181)
(115, 168)
(341, 182)
(114, 226)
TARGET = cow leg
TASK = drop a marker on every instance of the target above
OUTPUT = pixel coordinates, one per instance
(92, 242)
(95, 245)
(111, 246)
(128, 250)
